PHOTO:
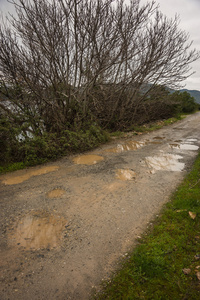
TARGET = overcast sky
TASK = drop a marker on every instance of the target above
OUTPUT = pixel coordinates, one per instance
(189, 12)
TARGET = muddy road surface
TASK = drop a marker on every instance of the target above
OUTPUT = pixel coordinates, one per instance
(65, 225)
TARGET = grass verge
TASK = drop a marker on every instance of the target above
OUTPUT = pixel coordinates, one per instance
(166, 263)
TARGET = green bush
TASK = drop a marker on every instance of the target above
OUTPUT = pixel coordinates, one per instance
(183, 102)
(49, 146)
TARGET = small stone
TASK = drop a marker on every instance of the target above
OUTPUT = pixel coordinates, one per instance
(198, 275)
(192, 215)
(186, 271)
(197, 267)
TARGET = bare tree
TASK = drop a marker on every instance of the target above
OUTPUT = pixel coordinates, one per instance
(61, 59)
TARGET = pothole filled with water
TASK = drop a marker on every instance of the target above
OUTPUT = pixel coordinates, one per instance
(187, 145)
(56, 193)
(125, 174)
(130, 145)
(87, 159)
(165, 162)
(11, 179)
(38, 230)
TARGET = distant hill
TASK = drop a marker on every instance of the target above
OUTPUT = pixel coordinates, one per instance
(193, 93)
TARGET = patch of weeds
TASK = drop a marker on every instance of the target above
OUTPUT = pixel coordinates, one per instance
(12, 167)
(155, 125)
(165, 263)
(50, 146)
(116, 134)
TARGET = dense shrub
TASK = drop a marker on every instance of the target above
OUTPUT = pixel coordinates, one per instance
(48, 146)
(183, 102)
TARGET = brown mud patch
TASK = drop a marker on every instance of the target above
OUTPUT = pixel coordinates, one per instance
(56, 193)
(38, 230)
(87, 159)
(11, 179)
(114, 186)
(125, 174)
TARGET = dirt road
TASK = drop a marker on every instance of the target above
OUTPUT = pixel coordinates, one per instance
(65, 225)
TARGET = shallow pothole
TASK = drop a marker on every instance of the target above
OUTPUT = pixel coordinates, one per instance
(56, 193)
(128, 146)
(11, 179)
(165, 162)
(38, 230)
(125, 174)
(87, 159)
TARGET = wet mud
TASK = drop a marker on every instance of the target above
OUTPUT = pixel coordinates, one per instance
(128, 146)
(87, 159)
(125, 174)
(11, 179)
(56, 193)
(38, 230)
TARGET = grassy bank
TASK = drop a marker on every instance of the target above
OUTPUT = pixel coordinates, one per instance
(166, 263)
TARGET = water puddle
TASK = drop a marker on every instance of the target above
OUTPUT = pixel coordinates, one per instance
(38, 230)
(184, 146)
(165, 162)
(11, 179)
(131, 145)
(188, 147)
(87, 159)
(191, 140)
(56, 193)
(125, 174)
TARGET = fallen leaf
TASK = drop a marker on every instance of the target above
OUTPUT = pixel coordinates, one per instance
(198, 275)
(192, 215)
(180, 210)
(197, 256)
(186, 271)
(197, 267)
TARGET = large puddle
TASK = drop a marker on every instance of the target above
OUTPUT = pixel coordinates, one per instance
(187, 145)
(131, 145)
(165, 162)
(38, 230)
(125, 174)
(184, 146)
(87, 159)
(12, 179)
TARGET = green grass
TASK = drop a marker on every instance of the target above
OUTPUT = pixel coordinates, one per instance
(154, 270)
(156, 125)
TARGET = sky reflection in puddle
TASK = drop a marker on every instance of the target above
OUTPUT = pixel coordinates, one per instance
(131, 145)
(165, 162)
